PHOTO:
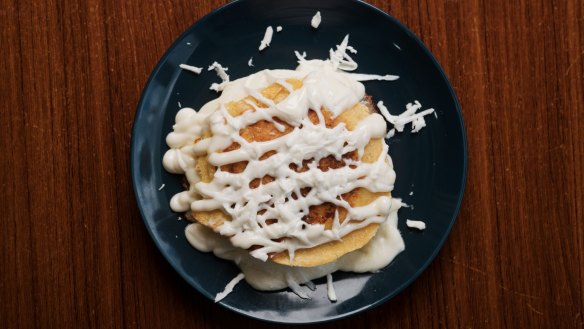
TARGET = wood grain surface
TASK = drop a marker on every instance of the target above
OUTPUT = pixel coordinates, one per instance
(75, 253)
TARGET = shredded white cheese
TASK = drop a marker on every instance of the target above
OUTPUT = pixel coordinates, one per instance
(194, 69)
(409, 115)
(278, 28)
(418, 124)
(297, 289)
(412, 193)
(222, 74)
(250, 62)
(369, 77)
(316, 19)
(267, 38)
(161, 187)
(395, 45)
(310, 285)
(332, 295)
(340, 59)
(300, 57)
(229, 287)
(418, 224)
(179, 105)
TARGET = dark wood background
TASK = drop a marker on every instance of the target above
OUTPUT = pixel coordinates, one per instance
(75, 253)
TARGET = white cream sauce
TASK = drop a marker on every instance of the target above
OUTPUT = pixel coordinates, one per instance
(378, 253)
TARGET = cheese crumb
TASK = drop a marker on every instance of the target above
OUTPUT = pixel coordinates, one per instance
(267, 38)
(340, 59)
(278, 28)
(316, 19)
(418, 224)
(418, 124)
(222, 74)
(194, 69)
(249, 63)
(161, 187)
(332, 296)
(295, 287)
(301, 57)
(369, 77)
(310, 285)
(229, 287)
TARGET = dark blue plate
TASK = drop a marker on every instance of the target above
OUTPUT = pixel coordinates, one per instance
(432, 163)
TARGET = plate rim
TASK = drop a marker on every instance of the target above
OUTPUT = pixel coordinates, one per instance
(135, 180)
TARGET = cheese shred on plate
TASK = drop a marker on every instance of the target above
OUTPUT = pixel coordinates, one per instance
(267, 38)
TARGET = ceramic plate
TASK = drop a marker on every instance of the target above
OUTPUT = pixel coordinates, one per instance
(430, 165)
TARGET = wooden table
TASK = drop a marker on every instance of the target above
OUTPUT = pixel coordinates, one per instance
(75, 253)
